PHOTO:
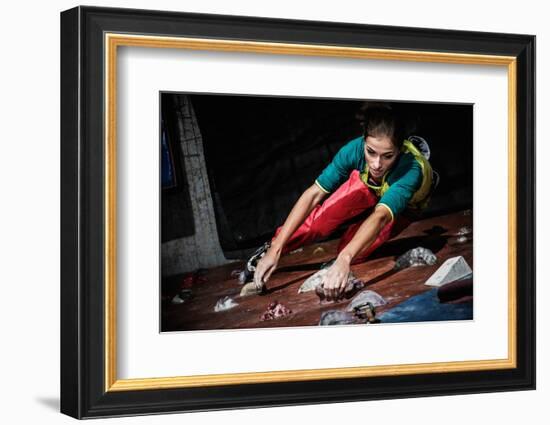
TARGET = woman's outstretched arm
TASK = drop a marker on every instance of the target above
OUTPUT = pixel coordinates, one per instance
(337, 276)
(302, 208)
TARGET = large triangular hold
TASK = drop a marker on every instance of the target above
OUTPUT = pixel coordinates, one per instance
(454, 268)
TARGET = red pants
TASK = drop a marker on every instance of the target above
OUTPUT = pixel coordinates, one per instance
(351, 199)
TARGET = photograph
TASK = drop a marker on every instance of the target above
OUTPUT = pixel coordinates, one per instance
(294, 211)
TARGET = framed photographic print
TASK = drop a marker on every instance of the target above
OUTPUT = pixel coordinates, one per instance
(261, 212)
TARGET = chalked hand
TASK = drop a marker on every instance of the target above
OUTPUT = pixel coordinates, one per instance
(266, 266)
(336, 280)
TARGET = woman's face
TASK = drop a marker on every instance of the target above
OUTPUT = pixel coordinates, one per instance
(380, 154)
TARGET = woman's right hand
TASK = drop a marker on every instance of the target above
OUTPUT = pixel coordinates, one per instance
(266, 266)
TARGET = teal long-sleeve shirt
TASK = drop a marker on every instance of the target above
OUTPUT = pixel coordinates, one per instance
(404, 178)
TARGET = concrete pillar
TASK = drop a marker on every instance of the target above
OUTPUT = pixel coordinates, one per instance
(201, 250)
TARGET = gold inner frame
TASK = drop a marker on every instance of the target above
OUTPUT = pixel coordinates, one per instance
(113, 41)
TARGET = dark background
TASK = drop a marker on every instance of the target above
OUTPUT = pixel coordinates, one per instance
(263, 152)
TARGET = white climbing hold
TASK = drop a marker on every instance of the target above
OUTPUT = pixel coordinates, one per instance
(225, 303)
(454, 268)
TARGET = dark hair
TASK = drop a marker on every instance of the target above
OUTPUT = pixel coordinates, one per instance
(378, 119)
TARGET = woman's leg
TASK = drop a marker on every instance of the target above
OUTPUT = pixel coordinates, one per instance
(349, 200)
(393, 228)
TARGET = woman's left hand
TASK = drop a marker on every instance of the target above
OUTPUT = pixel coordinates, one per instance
(336, 280)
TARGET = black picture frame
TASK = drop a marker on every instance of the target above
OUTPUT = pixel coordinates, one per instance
(85, 389)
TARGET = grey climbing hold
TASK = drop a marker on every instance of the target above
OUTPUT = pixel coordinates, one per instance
(318, 278)
(225, 303)
(465, 230)
(177, 300)
(336, 317)
(415, 257)
(242, 277)
(365, 297)
(313, 281)
(182, 296)
(352, 287)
